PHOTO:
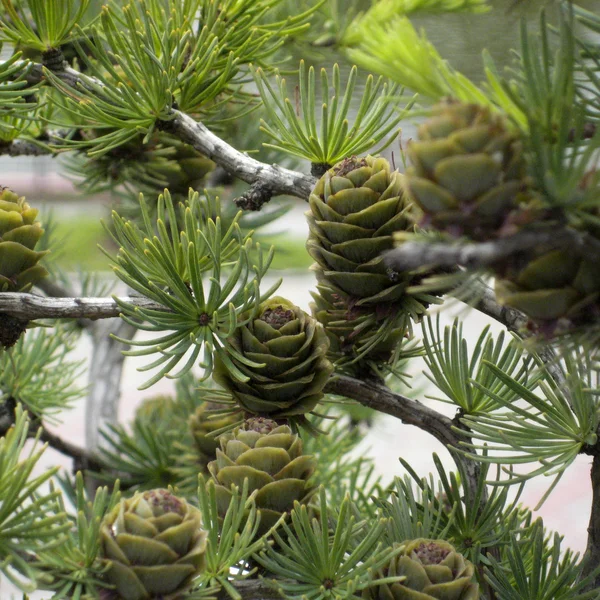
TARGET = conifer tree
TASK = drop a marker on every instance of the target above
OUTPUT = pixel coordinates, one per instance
(242, 484)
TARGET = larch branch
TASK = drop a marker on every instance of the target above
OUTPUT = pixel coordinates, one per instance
(277, 180)
(30, 306)
(415, 254)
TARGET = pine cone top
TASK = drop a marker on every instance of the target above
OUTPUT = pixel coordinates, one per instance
(288, 348)
(273, 463)
(155, 543)
(432, 570)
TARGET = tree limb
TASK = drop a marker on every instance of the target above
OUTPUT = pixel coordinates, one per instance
(82, 459)
(30, 306)
(20, 147)
(277, 180)
(410, 412)
(274, 178)
(252, 589)
(412, 255)
(514, 320)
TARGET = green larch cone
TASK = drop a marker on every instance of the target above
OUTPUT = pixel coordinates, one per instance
(288, 350)
(355, 336)
(155, 544)
(468, 173)
(186, 168)
(433, 570)
(19, 234)
(270, 457)
(201, 425)
(355, 209)
(157, 411)
(556, 288)
(161, 162)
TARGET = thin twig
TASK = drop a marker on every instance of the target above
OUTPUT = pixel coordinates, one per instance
(55, 290)
(23, 148)
(514, 320)
(277, 179)
(412, 255)
(410, 412)
(82, 459)
(252, 589)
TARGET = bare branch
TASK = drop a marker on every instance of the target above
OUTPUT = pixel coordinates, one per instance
(82, 459)
(410, 412)
(40, 146)
(412, 255)
(384, 400)
(30, 306)
(252, 589)
(511, 318)
(23, 148)
(515, 320)
(55, 290)
(272, 177)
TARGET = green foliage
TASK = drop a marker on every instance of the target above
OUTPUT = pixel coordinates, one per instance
(416, 511)
(149, 56)
(73, 568)
(548, 429)
(37, 372)
(474, 524)
(323, 564)
(462, 376)
(232, 539)
(337, 470)
(394, 48)
(17, 101)
(293, 126)
(44, 25)
(145, 458)
(29, 522)
(544, 89)
(199, 272)
(552, 574)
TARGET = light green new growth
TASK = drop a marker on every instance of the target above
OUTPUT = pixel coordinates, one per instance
(37, 372)
(395, 48)
(46, 25)
(293, 125)
(200, 273)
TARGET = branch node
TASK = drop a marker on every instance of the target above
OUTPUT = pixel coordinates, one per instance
(11, 329)
(253, 199)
